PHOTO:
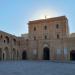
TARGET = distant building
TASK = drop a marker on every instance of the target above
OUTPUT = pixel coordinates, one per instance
(47, 39)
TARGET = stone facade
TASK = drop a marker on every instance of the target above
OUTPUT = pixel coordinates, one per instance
(48, 39)
(9, 47)
(48, 33)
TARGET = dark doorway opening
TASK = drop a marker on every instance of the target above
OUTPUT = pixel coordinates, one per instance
(24, 55)
(72, 55)
(46, 53)
(0, 54)
(3, 56)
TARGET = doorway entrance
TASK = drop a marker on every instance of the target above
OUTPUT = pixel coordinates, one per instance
(24, 55)
(0, 54)
(4, 55)
(46, 53)
(72, 55)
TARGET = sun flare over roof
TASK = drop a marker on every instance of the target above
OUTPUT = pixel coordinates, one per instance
(42, 14)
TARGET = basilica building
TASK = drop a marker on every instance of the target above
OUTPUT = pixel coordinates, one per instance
(47, 39)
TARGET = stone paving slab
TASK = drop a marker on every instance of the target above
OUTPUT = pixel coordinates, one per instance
(36, 68)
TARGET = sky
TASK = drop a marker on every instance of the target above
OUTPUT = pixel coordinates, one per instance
(15, 14)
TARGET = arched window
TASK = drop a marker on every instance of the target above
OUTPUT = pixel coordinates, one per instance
(45, 36)
(45, 27)
(58, 36)
(57, 26)
(7, 39)
(34, 28)
(14, 41)
(1, 36)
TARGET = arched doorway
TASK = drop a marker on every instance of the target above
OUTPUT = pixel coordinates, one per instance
(14, 54)
(72, 55)
(0, 53)
(7, 53)
(18, 57)
(24, 55)
(46, 53)
(4, 55)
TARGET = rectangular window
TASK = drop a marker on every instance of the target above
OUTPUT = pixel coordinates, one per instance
(58, 36)
(45, 37)
(57, 26)
(34, 28)
(45, 27)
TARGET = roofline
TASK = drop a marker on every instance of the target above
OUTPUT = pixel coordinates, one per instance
(49, 19)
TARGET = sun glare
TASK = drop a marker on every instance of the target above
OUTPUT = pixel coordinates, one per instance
(42, 13)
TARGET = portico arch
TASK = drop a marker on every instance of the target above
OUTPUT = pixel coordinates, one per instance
(14, 54)
(17, 54)
(7, 53)
(4, 55)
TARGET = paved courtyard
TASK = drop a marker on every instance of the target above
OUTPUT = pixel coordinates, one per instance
(36, 68)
